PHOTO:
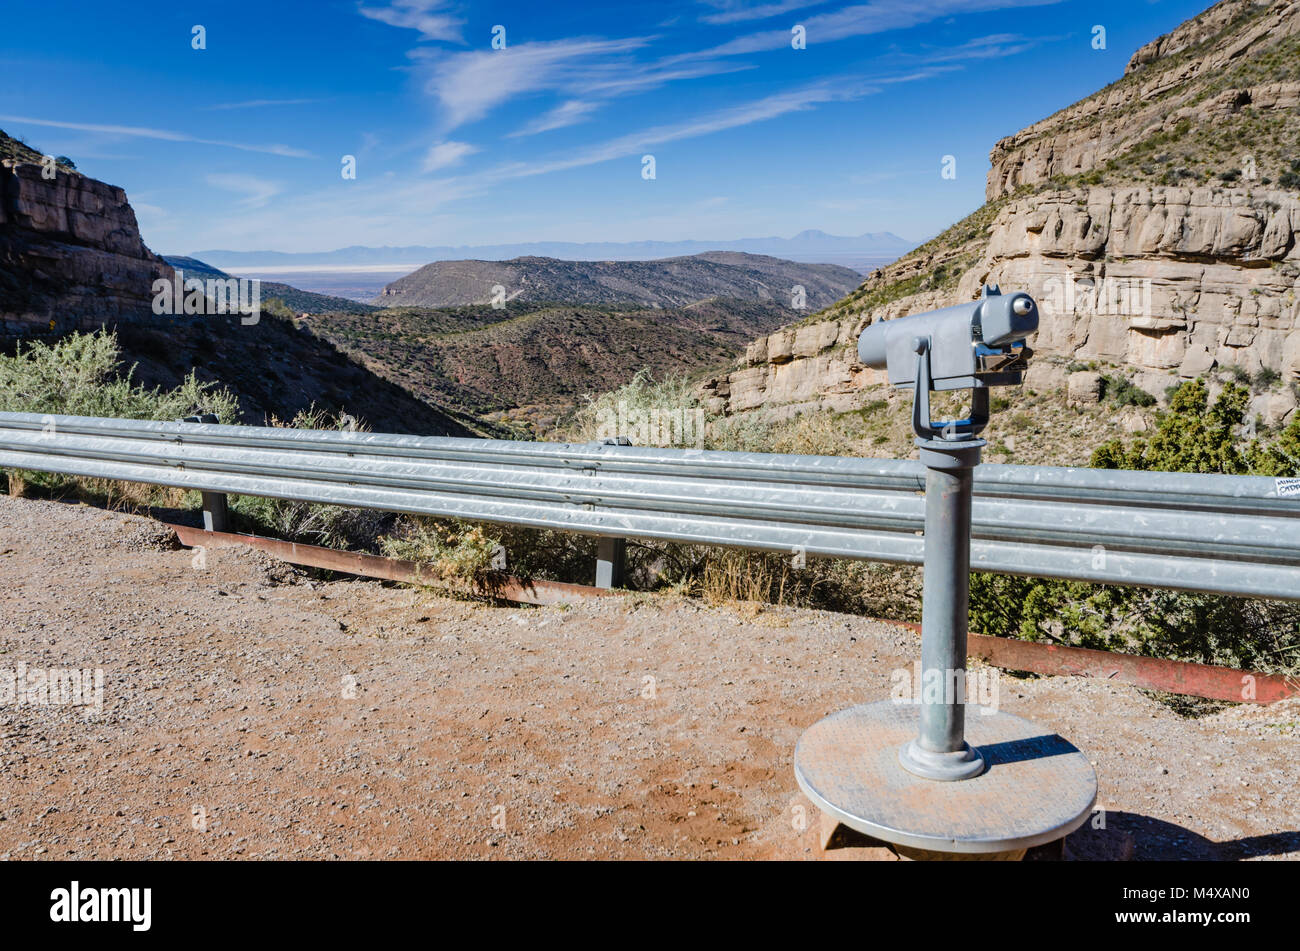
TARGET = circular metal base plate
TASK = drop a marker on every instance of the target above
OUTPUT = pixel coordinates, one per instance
(1036, 787)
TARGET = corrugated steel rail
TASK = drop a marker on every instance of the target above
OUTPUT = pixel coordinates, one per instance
(1218, 534)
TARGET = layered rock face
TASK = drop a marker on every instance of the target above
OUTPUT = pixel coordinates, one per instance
(1169, 282)
(71, 256)
(1159, 279)
(1166, 282)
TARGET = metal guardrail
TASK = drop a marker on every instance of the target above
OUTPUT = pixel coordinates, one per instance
(1211, 533)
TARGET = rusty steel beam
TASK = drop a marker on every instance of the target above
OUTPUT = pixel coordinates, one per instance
(1153, 673)
(388, 569)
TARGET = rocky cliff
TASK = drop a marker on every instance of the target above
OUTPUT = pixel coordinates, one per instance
(1157, 222)
(70, 251)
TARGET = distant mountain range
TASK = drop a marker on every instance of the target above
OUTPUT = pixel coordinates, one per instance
(667, 282)
(864, 251)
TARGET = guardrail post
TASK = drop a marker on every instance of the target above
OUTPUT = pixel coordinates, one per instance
(216, 516)
(216, 513)
(611, 553)
(610, 558)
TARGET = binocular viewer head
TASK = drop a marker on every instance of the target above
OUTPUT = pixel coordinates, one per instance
(970, 346)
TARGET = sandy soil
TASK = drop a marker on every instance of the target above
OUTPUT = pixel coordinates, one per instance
(250, 711)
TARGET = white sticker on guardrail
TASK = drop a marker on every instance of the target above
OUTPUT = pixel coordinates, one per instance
(1286, 488)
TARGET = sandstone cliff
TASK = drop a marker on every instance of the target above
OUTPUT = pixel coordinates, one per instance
(71, 256)
(1150, 243)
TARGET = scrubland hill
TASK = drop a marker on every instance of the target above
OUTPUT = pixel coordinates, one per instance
(667, 282)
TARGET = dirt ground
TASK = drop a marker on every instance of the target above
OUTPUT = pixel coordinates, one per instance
(249, 711)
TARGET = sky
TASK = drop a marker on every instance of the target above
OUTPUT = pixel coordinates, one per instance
(483, 123)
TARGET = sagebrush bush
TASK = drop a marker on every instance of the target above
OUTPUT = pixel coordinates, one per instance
(452, 552)
(641, 398)
(331, 526)
(82, 375)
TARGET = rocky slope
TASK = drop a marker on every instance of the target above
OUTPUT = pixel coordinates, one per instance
(1134, 216)
(669, 282)
(71, 255)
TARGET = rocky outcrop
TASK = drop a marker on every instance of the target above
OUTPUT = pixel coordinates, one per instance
(71, 256)
(1158, 279)
(1167, 282)
(794, 369)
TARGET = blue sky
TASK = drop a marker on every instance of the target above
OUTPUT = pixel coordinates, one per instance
(240, 145)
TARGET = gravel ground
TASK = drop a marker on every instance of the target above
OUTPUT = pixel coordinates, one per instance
(249, 711)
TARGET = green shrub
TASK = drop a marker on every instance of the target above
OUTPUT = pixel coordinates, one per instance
(1196, 437)
(1240, 632)
(1123, 392)
(82, 375)
(1238, 373)
(1265, 378)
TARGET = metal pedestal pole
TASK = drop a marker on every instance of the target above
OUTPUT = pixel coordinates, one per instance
(904, 772)
(940, 750)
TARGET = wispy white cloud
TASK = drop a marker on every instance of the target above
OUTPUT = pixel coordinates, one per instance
(445, 154)
(469, 85)
(428, 17)
(840, 89)
(258, 103)
(987, 47)
(162, 134)
(256, 191)
(864, 19)
(735, 11)
(565, 114)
